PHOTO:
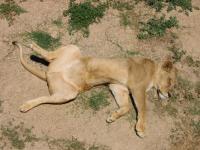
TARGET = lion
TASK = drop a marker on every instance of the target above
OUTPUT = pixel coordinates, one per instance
(70, 73)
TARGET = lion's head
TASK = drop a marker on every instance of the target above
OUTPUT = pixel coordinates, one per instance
(165, 78)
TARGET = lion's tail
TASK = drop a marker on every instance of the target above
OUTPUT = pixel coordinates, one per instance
(39, 73)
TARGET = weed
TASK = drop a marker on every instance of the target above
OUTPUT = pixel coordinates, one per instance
(157, 4)
(17, 135)
(73, 144)
(195, 108)
(184, 89)
(156, 27)
(44, 39)
(99, 147)
(186, 5)
(98, 100)
(1, 109)
(82, 15)
(196, 127)
(9, 9)
(191, 62)
(121, 6)
(187, 125)
(125, 19)
(197, 88)
(58, 22)
(172, 111)
(63, 144)
(177, 53)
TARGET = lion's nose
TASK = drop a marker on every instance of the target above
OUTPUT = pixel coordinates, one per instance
(169, 95)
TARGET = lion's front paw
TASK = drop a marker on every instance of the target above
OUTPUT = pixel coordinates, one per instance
(25, 107)
(110, 119)
(140, 134)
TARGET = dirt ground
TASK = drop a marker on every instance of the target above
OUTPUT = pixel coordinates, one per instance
(67, 121)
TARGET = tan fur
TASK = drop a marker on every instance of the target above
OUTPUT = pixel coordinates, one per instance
(69, 73)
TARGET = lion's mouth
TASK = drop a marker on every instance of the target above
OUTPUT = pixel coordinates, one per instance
(162, 95)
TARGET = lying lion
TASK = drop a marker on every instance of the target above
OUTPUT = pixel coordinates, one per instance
(69, 73)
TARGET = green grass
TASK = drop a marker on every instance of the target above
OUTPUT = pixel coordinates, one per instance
(82, 15)
(125, 20)
(158, 5)
(191, 62)
(196, 128)
(177, 53)
(64, 144)
(120, 5)
(156, 27)
(16, 135)
(73, 144)
(186, 5)
(1, 109)
(58, 22)
(44, 39)
(98, 100)
(10, 9)
(172, 111)
(197, 88)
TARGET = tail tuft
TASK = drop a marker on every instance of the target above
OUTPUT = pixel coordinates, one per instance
(14, 42)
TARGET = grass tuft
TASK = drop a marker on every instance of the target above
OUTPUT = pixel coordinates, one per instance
(97, 100)
(44, 39)
(58, 22)
(10, 9)
(73, 144)
(82, 15)
(191, 62)
(17, 135)
(156, 27)
(120, 5)
(158, 5)
(1, 109)
(177, 53)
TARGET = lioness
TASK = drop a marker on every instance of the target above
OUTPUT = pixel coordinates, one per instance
(69, 73)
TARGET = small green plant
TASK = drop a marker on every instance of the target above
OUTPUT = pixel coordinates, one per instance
(125, 19)
(58, 22)
(82, 15)
(120, 5)
(10, 9)
(1, 109)
(196, 128)
(63, 144)
(185, 5)
(191, 62)
(17, 135)
(156, 27)
(177, 53)
(97, 100)
(73, 144)
(172, 111)
(157, 4)
(98, 147)
(197, 88)
(44, 39)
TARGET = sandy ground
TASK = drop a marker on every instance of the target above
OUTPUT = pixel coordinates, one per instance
(66, 121)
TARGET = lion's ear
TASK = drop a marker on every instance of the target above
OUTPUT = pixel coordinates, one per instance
(167, 65)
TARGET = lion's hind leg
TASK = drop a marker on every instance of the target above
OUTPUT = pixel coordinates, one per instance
(48, 56)
(121, 95)
(57, 98)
